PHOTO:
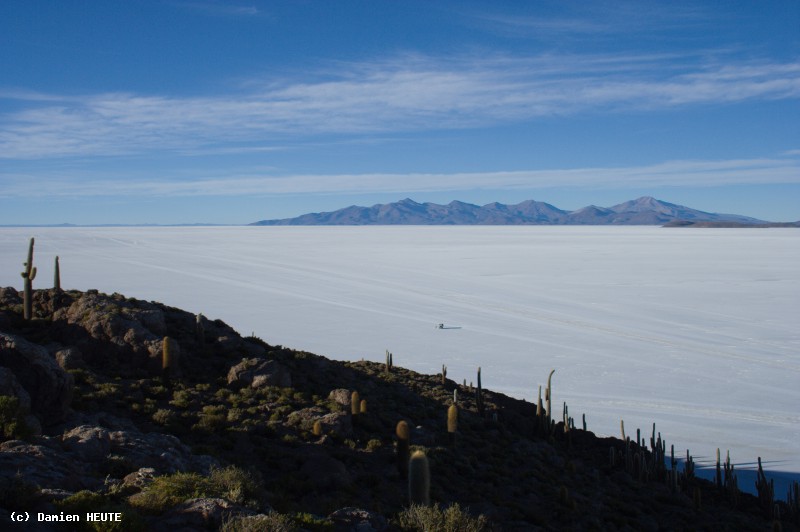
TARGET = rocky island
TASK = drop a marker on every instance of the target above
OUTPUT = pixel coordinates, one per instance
(154, 418)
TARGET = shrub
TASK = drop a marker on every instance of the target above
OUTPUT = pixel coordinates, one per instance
(167, 491)
(434, 519)
(237, 485)
(164, 416)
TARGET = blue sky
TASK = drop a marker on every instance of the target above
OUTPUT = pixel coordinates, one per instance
(232, 112)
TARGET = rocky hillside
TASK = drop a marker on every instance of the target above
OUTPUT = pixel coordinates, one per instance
(175, 422)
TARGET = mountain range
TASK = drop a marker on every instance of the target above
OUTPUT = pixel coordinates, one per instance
(642, 211)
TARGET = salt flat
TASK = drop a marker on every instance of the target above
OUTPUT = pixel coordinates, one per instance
(694, 329)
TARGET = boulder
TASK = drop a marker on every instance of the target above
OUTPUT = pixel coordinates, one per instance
(341, 396)
(44, 466)
(257, 372)
(49, 386)
(89, 444)
(70, 358)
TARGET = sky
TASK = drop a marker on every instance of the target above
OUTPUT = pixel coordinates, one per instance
(197, 111)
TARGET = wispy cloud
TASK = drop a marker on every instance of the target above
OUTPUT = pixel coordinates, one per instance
(780, 170)
(408, 93)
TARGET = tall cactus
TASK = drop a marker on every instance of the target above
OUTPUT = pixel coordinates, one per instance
(419, 479)
(29, 275)
(548, 396)
(169, 357)
(57, 277)
(479, 394)
(452, 423)
(403, 433)
(355, 403)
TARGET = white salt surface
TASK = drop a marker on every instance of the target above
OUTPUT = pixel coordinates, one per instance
(694, 329)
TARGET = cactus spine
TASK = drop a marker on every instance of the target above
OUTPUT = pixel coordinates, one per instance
(403, 446)
(29, 275)
(419, 479)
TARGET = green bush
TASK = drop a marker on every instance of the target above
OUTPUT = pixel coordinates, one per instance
(434, 519)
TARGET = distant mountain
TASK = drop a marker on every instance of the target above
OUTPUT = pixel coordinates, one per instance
(642, 211)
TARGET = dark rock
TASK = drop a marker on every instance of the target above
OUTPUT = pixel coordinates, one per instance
(325, 472)
(49, 386)
(70, 358)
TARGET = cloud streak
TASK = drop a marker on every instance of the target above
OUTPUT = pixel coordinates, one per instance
(407, 94)
(784, 170)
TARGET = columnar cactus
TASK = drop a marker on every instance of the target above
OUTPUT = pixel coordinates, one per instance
(355, 403)
(57, 277)
(403, 433)
(199, 328)
(169, 357)
(548, 396)
(452, 419)
(479, 394)
(419, 479)
(766, 490)
(29, 275)
(362, 407)
(444, 374)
